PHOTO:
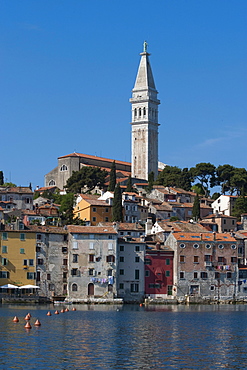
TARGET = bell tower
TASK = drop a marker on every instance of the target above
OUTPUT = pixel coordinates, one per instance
(144, 157)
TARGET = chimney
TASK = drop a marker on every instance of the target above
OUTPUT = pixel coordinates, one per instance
(214, 234)
(201, 236)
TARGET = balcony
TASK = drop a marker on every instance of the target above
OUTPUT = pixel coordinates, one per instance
(208, 264)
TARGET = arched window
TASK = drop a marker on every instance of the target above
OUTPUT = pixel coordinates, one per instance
(63, 168)
(74, 287)
(135, 112)
(52, 183)
(140, 112)
(144, 111)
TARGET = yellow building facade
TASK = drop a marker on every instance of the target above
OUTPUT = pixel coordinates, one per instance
(18, 257)
(93, 210)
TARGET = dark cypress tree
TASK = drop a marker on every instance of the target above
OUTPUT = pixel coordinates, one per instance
(117, 213)
(129, 185)
(1, 178)
(196, 208)
(150, 181)
(112, 183)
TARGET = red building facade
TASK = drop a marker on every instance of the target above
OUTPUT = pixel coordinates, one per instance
(158, 271)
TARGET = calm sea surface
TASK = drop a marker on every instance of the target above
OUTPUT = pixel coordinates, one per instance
(129, 337)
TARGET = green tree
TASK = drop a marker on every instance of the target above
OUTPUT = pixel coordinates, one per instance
(224, 173)
(87, 176)
(150, 181)
(1, 178)
(205, 174)
(196, 208)
(117, 212)
(169, 176)
(9, 185)
(240, 207)
(215, 196)
(198, 189)
(185, 180)
(238, 182)
(113, 177)
(66, 208)
(129, 185)
(174, 218)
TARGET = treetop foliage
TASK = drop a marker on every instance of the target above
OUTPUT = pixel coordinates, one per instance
(88, 177)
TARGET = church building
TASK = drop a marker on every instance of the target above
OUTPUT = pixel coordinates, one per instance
(144, 136)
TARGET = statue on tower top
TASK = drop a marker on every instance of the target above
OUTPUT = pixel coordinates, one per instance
(145, 46)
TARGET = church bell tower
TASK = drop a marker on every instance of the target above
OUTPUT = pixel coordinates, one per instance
(144, 157)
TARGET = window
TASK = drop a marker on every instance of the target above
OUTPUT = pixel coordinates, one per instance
(4, 249)
(196, 259)
(90, 272)
(195, 275)
(121, 272)
(52, 183)
(31, 262)
(181, 275)
(40, 261)
(121, 259)
(110, 258)
(5, 236)
(94, 219)
(4, 261)
(212, 287)
(182, 259)
(48, 276)
(154, 286)
(4, 274)
(91, 245)
(106, 219)
(65, 262)
(38, 276)
(221, 260)
(121, 286)
(137, 259)
(221, 246)
(63, 168)
(182, 245)
(109, 272)
(65, 249)
(169, 290)
(137, 274)
(107, 210)
(24, 262)
(74, 287)
(208, 246)
(135, 112)
(110, 246)
(51, 287)
(74, 272)
(31, 275)
(75, 258)
(234, 260)
(167, 273)
(228, 275)
(144, 111)
(147, 261)
(216, 275)
(196, 246)
(207, 258)
(91, 257)
(94, 209)
(121, 248)
(168, 261)
(22, 236)
(110, 237)
(134, 288)
(137, 248)
(147, 273)
(224, 221)
(38, 237)
(233, 246)
(204, 275)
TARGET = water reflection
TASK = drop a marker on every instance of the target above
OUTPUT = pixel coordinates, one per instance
(125, 337)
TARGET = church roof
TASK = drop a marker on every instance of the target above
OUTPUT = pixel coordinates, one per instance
(94, 157)
(144, 78)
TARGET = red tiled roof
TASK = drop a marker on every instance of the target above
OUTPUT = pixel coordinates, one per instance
(94, 157)
(224, 237)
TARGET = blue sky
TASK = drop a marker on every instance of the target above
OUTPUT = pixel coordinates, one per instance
(67, 69)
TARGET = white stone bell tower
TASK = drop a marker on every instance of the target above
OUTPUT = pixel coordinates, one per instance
(144, 121)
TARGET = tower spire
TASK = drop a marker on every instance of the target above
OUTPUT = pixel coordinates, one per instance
(144, 120)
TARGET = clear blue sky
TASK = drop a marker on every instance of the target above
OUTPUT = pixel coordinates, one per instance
(67, 69)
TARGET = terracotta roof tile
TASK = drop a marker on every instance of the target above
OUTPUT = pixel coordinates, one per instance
(91, 229)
